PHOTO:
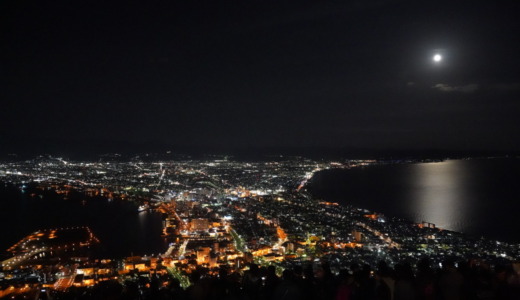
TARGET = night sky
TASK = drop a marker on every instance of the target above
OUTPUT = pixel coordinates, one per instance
(254, 74)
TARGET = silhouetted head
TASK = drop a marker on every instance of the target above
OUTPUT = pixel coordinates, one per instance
(271, 270)
(253, 268)
(195, 276)
(448, 264)
(288, 275)
(222, 272)
(298, 271)
(383, 269)
(404, 271)
(308, 272)
(354, 267)
(424, 265)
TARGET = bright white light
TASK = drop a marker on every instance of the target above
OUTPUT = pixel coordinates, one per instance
(437, 58)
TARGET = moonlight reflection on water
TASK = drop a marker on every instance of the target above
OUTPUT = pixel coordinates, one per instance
(477, 197)
(441, 195)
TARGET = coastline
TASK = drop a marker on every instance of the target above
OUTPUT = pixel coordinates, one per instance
(424, 184)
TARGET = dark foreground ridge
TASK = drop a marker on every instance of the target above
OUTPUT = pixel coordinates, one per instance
(463, 280)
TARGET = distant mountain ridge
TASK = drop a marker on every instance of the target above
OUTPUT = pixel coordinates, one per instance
(26, 147)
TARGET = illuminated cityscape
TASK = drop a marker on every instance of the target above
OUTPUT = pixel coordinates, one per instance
(219, 215)
(252, 150)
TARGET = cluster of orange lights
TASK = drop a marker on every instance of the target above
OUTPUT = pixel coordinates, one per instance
(347, 245)
(329, 203)
(281, 233)
(371, 217)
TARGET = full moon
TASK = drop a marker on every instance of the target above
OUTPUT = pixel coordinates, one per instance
(437, 58)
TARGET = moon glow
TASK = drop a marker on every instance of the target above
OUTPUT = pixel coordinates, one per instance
(437, 58)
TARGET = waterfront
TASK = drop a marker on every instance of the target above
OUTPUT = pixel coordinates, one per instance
(120, 228)
(478, 197)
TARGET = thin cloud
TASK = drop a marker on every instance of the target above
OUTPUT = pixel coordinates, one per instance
(469, 88)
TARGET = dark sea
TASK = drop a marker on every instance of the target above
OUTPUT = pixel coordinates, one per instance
(122, 230)
(479, 197)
